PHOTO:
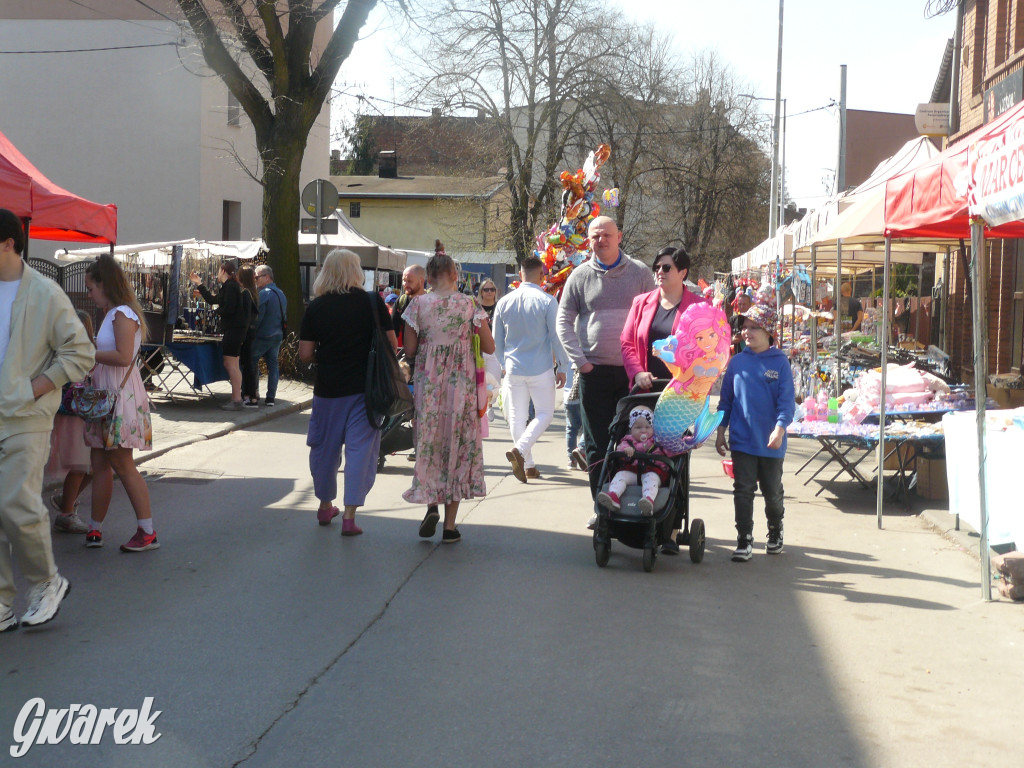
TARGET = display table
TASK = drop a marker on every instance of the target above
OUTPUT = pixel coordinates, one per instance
(1003, 451)
(848, 445)
(185, 363)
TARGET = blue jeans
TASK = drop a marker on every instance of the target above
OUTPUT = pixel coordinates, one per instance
(269, 350)
(573, 426)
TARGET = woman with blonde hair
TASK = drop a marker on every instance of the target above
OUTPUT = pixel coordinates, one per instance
(335, 334)
(129, 426)
(439, 328)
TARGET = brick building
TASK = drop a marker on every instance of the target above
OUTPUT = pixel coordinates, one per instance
(991, 76)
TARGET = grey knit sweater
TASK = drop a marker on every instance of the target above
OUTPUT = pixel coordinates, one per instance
(594, 307)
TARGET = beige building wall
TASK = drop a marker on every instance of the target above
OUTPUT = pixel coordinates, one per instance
(461, 224)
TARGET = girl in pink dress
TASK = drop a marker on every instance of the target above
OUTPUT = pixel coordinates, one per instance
(129, 425)
(449, 453)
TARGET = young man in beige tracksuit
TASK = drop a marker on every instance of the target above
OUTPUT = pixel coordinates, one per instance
(43, 345)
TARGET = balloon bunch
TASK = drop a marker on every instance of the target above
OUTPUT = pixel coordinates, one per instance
(565, 245)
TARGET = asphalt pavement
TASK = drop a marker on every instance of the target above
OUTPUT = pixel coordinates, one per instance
(267, 640)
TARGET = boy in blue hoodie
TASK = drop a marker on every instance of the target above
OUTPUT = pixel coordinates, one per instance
(757, 402)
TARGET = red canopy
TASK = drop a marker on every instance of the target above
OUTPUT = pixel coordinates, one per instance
(930, 201)
(54, 213)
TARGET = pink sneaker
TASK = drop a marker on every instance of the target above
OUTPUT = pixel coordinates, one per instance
(141, 542)
(349, 527)
(646, 505)
(324, 516)
(609, 500)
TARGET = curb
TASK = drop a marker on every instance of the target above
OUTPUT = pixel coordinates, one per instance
(256, 419)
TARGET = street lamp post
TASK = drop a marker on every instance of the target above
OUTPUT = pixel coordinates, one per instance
(777, 204)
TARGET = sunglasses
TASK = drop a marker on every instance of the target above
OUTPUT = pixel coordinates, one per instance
(488, 290)
(663, 268)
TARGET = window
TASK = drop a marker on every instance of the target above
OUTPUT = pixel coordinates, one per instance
(231, 228)
(1002, 46)
(234, 110)
(980, 29)
(354, 210)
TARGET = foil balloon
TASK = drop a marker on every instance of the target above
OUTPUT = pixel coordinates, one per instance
(611, 196)
(696, 356)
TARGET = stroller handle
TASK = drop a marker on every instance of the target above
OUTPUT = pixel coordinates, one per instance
(656, 386)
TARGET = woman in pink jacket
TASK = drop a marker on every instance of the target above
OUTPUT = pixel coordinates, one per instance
(653, 316)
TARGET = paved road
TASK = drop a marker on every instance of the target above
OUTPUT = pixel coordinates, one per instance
(266, 640)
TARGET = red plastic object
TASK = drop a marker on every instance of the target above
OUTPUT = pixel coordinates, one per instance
(727, 467)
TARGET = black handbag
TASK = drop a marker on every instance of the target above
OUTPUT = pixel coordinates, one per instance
(387, 393)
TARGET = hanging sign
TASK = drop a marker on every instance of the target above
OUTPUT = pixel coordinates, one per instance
(932, 119)
(995, 189)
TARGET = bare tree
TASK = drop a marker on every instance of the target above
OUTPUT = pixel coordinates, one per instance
(714, 166)
(529, 66)
(263, 51)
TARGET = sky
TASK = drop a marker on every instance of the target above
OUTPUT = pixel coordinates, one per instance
(891, 51)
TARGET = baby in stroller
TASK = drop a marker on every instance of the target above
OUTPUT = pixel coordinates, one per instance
(650, 474)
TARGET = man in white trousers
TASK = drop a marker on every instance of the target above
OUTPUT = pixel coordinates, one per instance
(527, 346)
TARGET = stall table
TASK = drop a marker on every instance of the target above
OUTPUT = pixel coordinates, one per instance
(186, 363)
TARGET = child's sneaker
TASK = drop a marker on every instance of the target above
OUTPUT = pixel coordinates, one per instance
(646, 506)
(57, 503)
(744, 549)
(774, 545)
(609, 500)
(94, 538)
(141, 542)
(70, 524)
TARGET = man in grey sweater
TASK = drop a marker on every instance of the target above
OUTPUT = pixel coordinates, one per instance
(591, 315)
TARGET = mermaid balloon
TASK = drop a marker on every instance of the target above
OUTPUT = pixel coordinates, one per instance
(695, 356)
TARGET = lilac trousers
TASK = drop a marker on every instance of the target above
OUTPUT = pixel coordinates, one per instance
(338, 422)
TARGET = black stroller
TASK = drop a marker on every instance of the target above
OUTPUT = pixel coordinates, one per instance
(396, 435)
(628, 525)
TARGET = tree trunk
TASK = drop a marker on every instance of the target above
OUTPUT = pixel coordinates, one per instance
(281, 211)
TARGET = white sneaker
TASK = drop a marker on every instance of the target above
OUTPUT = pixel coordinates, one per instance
(57, 503)
(8, 620)
(744, 549)
(44, 601)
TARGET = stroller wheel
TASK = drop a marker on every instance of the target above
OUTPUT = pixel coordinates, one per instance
(697, 540)
(649, 555)
(602, 549)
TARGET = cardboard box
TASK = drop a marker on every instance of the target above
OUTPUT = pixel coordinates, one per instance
(931, 479)
(1007, 398)
(906, 450)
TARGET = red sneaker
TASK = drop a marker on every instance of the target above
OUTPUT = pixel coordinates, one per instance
(140, 542)
(94, 538)
(609, 500)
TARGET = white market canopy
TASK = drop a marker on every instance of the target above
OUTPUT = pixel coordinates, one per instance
(371, 255)
(159, 254)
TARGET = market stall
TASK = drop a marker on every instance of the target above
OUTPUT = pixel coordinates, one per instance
(182, 353)
(50, 212)
(973, 189)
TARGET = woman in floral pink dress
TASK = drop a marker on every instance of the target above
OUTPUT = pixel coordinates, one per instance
(439, 327)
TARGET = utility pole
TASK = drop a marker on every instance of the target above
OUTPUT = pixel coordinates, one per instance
(841, 163)
(772, 217)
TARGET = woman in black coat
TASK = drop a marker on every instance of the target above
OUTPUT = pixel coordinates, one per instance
(234, 316)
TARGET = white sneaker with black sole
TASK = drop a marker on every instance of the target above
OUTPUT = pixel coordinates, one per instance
(744, 549)
(44, 601)
(8, 620)
(774, 545)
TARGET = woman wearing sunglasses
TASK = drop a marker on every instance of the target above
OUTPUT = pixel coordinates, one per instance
(653, 316)
(487, 295)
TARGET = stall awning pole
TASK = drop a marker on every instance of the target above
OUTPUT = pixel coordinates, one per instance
(814, 310)
(979, 280)
(883, 349)
(837, 318)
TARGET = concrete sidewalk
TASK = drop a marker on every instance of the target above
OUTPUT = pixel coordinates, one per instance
(181, 421)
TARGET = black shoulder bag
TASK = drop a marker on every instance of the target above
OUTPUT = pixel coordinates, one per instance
(387, 394)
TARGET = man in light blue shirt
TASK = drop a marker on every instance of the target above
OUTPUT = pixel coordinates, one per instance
(527, 346)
